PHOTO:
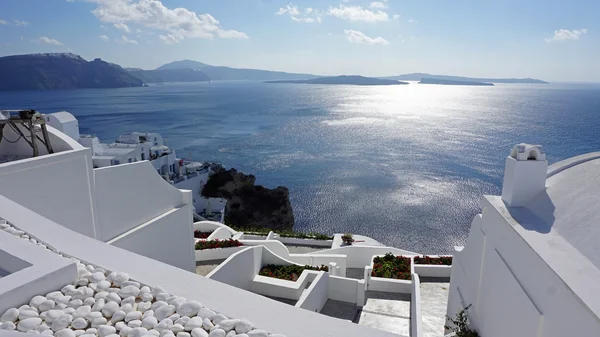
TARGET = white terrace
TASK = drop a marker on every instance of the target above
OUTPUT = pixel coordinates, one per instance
(110, 251)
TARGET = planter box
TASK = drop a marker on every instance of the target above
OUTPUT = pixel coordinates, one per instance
(305, 242)
(390, 285)
(216, 254)
(433, 270)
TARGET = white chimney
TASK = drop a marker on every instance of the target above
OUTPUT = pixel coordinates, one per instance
(524, 175)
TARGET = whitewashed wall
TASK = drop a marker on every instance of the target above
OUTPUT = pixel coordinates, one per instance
(316, 295)
(239, 269)
(167, 238)
(131, 194)
(361, 256)
(346, 290)
(513, 292)
(58, 186)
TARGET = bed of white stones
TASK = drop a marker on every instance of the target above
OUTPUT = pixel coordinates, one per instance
(110, 304)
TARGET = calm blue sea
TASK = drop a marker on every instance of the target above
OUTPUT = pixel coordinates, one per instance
(406, 165)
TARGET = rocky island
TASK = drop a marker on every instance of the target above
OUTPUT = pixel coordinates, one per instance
(349, 80)
(250, 205)
(452, 82)
(61, 71)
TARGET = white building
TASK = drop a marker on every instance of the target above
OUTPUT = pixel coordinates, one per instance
(138, 146)
(109, 252)
(530, 265)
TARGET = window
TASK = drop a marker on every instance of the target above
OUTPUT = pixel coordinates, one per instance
(143, 156)
(130, 159)
(116, 162)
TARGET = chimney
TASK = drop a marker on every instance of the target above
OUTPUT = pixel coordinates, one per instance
(524, 175)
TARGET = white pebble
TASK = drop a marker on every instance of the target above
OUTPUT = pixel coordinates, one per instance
(102, 285)
(97, 277)
(10, 315)
(98, 321)
(183, 320)
(193, 323)
(133, 315)
(60, 306)
(218, 318)
(199, 332)
(92, 331)
(82, 282)
(158, 304)
(146, 297)
(75, 303)
(153, 333)
(174, 317)
(137, 332)
(120, 278)
(149, 322)
(189, 309)
(61, 322)
(94, 314)
(217, 333)
(8, 326)
(232, 334)
(36, 301)
(47, 305)
(163, 297)
(183, 334)
(101, 295)
(136, 323)
(99, 305)
(125, 331)
(68, 311)
(105, 330)
(206, 313)
(167, 333)
(110, 308)
(207, 324)
(49, 332)
(147, 312)
(127, 308)
(228, 324)
(118, 316)
(24, 314)
(165, 324)
(79, 323)
(130, 283)
(53, 295)
(164, 312)
(119, 325)
(113, 297)
(176, 328)
(89, 301)
(65, 333)
(144, 306)
(29, 324)
(69, 289)
(82, 311)
(51, 315)
(128, 300)
(243, 326)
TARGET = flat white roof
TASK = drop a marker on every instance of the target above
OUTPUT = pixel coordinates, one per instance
(562, 224)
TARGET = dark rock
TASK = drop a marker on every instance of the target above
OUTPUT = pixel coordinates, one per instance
(250, 205)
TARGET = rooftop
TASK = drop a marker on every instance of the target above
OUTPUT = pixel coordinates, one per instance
(561, 224)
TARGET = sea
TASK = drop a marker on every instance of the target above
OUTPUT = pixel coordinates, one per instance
(406, 165)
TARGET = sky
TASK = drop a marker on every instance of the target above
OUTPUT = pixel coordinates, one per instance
(546, 39)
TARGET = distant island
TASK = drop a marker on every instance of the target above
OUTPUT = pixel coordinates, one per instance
(426, 80)
(419, 76)
(61, 71)
(351, 80)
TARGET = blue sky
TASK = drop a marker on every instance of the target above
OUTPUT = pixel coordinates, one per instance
(547, 39)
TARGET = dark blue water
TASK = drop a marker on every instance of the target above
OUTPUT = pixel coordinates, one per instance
(406, 165)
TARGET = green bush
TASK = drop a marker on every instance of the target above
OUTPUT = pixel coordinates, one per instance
(213, 244)
(460, 325)
(442, 260)
(286, 233)
(290, 273)
(391, 266)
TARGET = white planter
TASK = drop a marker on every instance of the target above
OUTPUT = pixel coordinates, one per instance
(216, 254)
(433, 270)
(389, 284)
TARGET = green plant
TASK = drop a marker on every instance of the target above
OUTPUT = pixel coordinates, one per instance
(460, 325)
(347, 238)
(391, 266)
(213, 244)
(290, 273)
(286, 233)
(442, 260)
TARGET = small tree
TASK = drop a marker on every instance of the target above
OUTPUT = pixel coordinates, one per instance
(460, 326)
(347, 238)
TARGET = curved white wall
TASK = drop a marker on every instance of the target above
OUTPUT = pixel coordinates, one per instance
(128, 195)
(361, 256)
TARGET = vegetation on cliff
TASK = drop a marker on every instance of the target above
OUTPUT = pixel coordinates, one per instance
(250, 205)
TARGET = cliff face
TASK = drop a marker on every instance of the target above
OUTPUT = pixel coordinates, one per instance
(61, 71)
(250, 205)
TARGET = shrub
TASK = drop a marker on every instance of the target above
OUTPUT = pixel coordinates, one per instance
(213, 244)
(442, 260)
(202, 235)
(347, 238)
(390, 266)
(285, 233)
(290, 273)
(460, 326)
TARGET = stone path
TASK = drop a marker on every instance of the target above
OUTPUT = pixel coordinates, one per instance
(387, 311)
(205, 267)
(434, 299)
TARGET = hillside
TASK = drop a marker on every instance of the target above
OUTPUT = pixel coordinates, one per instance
(220, 73)
(61, 71)
(419, 76)
(169, 75)
(350, 80)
